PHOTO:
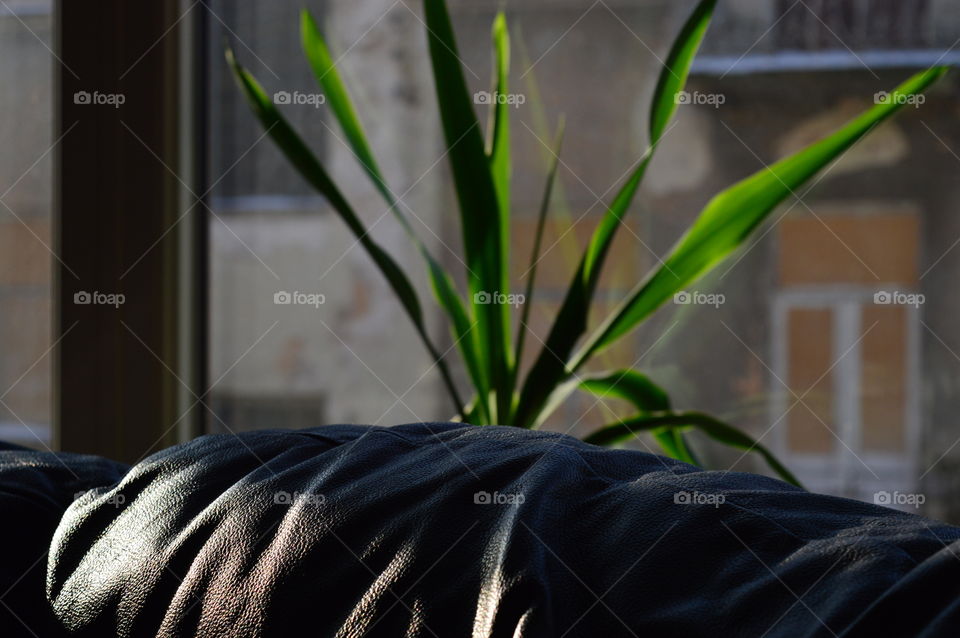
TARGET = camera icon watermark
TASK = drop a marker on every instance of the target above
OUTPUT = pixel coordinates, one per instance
(291, 498)
(899, 498)
(897, 298)
(96, 98)
(685, 298)
(496, 498)
(84, 298)
(698, 498)
(484, 298)
(516, 100)
(696, 98)
(297, 298)
(316, 100)
(900, 99)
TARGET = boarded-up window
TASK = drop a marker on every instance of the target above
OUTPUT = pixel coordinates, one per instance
(810, 356)
(847, 307)
(883, 387)
(855, 249)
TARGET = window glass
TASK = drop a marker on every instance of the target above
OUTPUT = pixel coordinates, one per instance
(26, 234)
(303, 329)
(793, 311)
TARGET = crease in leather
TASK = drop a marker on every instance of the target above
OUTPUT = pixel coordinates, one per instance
(399, 520)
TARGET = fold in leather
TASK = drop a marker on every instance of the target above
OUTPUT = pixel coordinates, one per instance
(449, 530)
(35, 489)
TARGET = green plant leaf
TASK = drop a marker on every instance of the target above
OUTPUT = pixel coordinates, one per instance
(733, 214)
(464, 332)
(646, 397)
(328, 77)
(499, 144)
(571, 321)
(717, 430)
(500, 169)
(480, 214)
(310, 168)
(338, 98)
(631, 386)
(523, 327)
(677, 67)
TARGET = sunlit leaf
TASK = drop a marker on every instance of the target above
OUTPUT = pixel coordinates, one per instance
(571, 321)
(338, 98)
(733, 214)
(646, 397)
(310, 168)
(531, 273)
(677, 68)
(480, 213)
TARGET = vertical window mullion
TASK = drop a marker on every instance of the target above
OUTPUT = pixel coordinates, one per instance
(122, 372)
(847, 359)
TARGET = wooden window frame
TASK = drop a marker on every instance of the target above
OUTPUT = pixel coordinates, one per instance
(129, 380)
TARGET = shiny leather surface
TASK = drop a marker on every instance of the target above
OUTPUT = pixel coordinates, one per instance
(357, 531)
(35, 489)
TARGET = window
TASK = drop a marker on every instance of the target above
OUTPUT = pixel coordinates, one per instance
(26, 237)
(787, 35)
(845, 352)
(352, 356)
(264, 223)
(818, 25)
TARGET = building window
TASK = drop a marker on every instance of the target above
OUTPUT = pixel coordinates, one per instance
(818, 25)
(846, 328)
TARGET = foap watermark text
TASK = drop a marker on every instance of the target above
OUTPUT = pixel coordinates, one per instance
(297, 298)
(498, 498)
(84, 298)
(96, 98)
(716, 100)
(899, 498)
(498, 299)
(685, 298)
(291, 498)
(897, 298)
(699, 498)
(316, 100)
(516, 100)
(901, 99)
(116, 499)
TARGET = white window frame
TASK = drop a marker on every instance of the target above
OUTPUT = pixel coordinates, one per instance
(845, 472)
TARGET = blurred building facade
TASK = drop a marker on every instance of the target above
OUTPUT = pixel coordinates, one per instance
(854, 393)
(832, 338)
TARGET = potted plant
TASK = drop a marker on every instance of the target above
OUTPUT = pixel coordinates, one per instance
(481, 327)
